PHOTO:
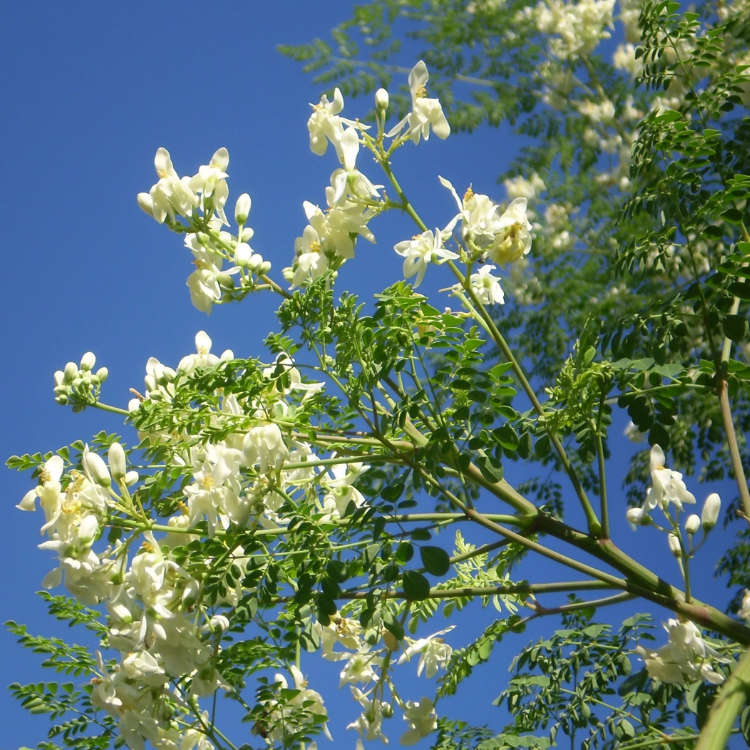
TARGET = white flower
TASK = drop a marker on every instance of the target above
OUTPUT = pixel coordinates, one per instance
(577, 27)
(434, 652)
(520, 187)
(281, 716)
(513, 236)
(263, 445)
(422, 720)
(358, 668)
(339, 490)
(340, 630)
(170, 195)
(204, 287)
(349, 181)
(685, 658)
(421, 250)
(202, 357)
(424, 113)
(369, 723)
(325, 125)
(666, 485)
(211, 183)
(486, 286)
(143, 667)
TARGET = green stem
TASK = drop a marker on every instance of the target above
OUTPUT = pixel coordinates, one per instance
(471, 591)
(732, 696)
(728, 421)
(602, 468)
(112, 409)
(604, 601)
(479, 311)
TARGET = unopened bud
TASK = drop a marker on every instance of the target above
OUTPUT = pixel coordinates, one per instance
(132, 476)
(674, 545)
(636, 517)
(242, 209)
(88, 361)
(218, 623)
(70, 372)
(95, 468)
(243, 254)
(102, 374)
(710, 512)
(116, 460)
(692, 524)
(381, 99)
(58, 377)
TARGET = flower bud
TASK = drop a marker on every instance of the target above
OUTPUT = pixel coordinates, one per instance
(243, 254)
(636, 517)
(674, 545)
(70, 372)
(95, 468)
(381, 99)
(710, 512)
(242, 209)
(146, 203)
(132, 476)
(692, 524)
(102, 374)
(218, 623)
(116, 459)
(88, 361)
(58, 377)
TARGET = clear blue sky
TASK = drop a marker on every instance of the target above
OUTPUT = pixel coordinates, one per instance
(90, 90)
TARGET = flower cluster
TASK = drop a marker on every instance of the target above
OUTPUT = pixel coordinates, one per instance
(163, 631)
(684, 659)
(201, 200)
(79, 385)
(575, 28)
(668, 489)
(352, 199)
(365, 671)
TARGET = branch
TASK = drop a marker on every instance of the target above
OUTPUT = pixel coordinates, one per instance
(732, 697)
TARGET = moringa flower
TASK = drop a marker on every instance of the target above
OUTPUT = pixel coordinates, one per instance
(425, 112)
(666, 485)
(421, 250)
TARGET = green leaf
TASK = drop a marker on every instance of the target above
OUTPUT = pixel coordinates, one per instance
(404, 552)
(735, 327)
(416, 586)
(435, 560)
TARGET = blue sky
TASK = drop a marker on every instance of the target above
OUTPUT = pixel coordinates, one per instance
(91, 89)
